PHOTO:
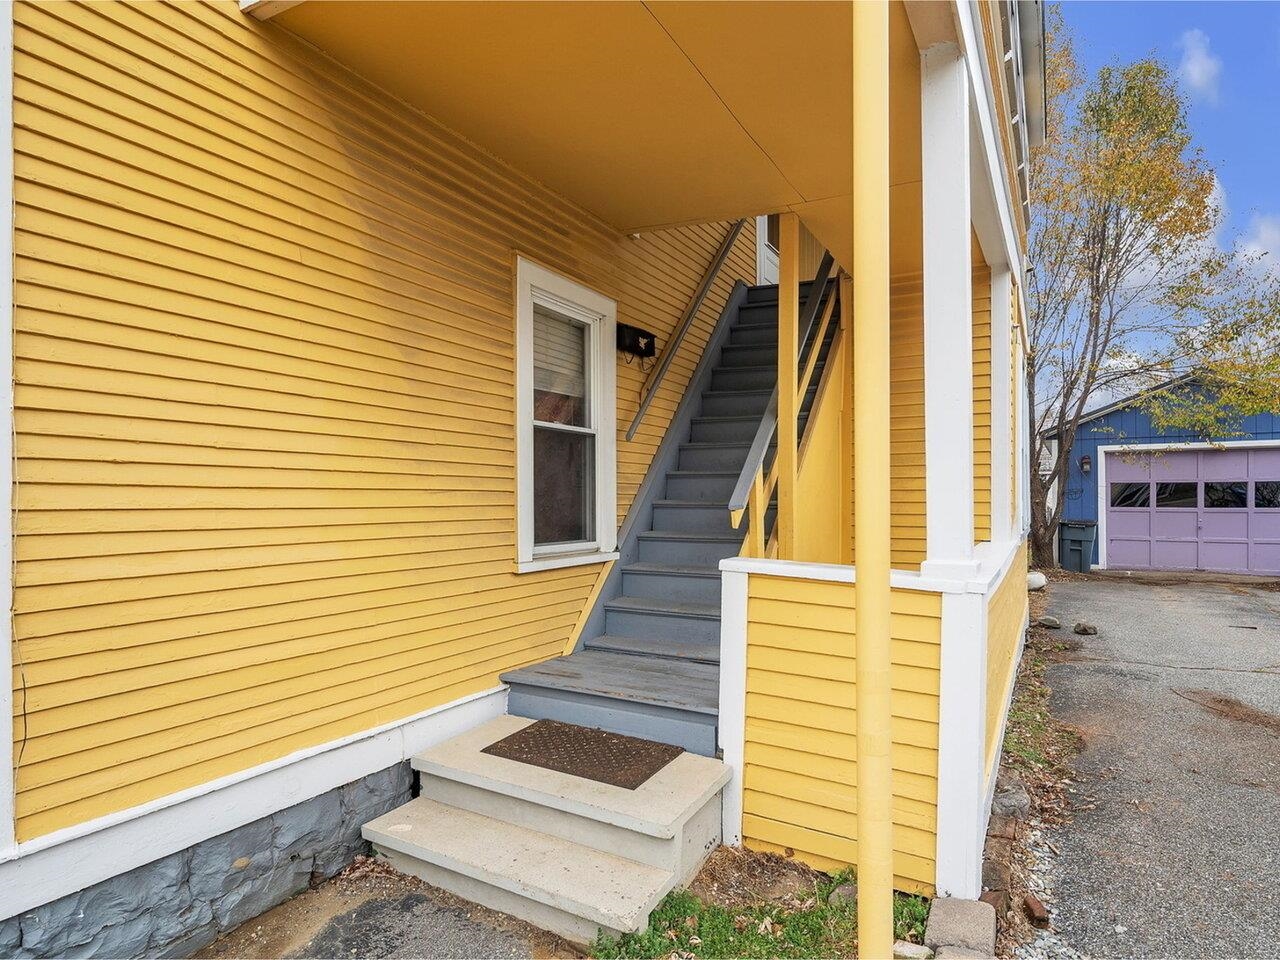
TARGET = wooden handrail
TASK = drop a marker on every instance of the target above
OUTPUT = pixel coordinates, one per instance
(650, 388)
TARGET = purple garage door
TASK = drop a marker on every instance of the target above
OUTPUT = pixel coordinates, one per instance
(1194, 510)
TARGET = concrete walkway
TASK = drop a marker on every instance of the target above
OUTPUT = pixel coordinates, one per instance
(1178, 699)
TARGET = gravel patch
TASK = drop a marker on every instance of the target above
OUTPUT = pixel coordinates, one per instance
(1173, 850)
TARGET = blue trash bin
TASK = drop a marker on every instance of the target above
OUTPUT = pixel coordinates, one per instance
(1075, 544)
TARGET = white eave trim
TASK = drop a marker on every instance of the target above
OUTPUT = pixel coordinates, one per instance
(266, 9)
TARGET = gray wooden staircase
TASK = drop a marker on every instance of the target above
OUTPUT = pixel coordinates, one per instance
(648, 661)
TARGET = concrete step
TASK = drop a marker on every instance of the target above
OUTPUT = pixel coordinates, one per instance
(680, 620)
(672, 581)
(671, 701)
(685, 548)
(565, 887)
(707, 485)
(671, 821)
(701, 651)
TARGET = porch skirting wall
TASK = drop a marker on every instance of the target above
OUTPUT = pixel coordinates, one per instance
(794, 669)
(788, 718)
(178, 904)
(264, 352)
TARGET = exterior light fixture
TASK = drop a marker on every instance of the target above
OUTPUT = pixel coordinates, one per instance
(1086, 464)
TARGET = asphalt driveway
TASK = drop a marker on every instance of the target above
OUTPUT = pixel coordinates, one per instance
(1178, 699)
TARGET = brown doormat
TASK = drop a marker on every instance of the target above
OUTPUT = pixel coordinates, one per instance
(586, 752)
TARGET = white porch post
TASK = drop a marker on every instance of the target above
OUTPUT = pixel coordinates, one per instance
(948, 365)
(1002, 476)
(962, 715)
(948, 315)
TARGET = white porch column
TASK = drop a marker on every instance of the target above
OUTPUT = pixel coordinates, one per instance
(948, 314)
(1002, 476)
(962, 746)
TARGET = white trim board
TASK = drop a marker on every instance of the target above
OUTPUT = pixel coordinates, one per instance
(7, 841)
(63, 862)
(993, 561)
(962, 742)
(975, 58)
(1172, 446)
(731, 725)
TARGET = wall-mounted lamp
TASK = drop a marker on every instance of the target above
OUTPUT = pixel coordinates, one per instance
(1086, 463)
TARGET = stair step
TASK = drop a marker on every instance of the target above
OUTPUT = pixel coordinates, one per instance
(664, 581)
(727, 429)
(708, 485)
(701, 651)
(680, 620)
(754, 334)
(687, 547)
(685, 686)
(762, 377)
(566, 887)
(733, 356)
(707, 455)
(740, 403)
(674, 608)
(691, 515)
(657, 808)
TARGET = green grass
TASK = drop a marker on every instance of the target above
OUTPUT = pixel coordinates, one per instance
(685, 927)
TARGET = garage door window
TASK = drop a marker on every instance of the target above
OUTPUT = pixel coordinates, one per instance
(1226, 496)
(1176, 495)
(1131, 494)
(1266, 494)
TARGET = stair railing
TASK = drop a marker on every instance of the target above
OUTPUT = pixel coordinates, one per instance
(757, 482)
(654, 380)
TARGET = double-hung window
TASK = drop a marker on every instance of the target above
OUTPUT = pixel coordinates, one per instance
(566, 401)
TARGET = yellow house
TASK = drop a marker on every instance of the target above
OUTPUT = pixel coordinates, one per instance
(386, 376)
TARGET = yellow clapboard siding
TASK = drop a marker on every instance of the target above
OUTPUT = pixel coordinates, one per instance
(264, 420)
(981, 397)
(1006, 615)
(906, 413)
(831, 852)
(800, 762)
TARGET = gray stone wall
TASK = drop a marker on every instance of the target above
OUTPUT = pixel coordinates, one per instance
(174, 906)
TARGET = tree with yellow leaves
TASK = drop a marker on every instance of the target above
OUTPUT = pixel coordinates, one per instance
(1128, 287)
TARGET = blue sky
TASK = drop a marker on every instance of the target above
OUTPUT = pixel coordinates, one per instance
(1227, 58)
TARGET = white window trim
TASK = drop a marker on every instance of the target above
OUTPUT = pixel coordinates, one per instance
(537, 283)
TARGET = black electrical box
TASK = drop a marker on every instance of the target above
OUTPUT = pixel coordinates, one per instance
(637, 342)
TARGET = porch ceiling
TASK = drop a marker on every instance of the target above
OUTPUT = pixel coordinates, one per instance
(647, 114)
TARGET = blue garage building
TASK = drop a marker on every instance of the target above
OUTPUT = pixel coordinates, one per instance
(1168, 501)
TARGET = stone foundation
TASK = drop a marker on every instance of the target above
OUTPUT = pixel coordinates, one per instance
(178, 904)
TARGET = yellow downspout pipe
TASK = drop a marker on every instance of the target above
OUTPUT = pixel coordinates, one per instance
(871, 472)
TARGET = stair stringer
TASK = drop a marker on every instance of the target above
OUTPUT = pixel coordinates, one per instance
(640, 516)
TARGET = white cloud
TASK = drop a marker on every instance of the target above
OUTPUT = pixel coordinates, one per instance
(1199, 69)
(1263, 239)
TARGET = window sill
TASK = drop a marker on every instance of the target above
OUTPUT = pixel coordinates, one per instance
(554, 562)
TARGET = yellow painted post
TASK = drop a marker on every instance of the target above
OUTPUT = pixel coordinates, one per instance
(871, 466)
(788, 360)
(846, 402)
